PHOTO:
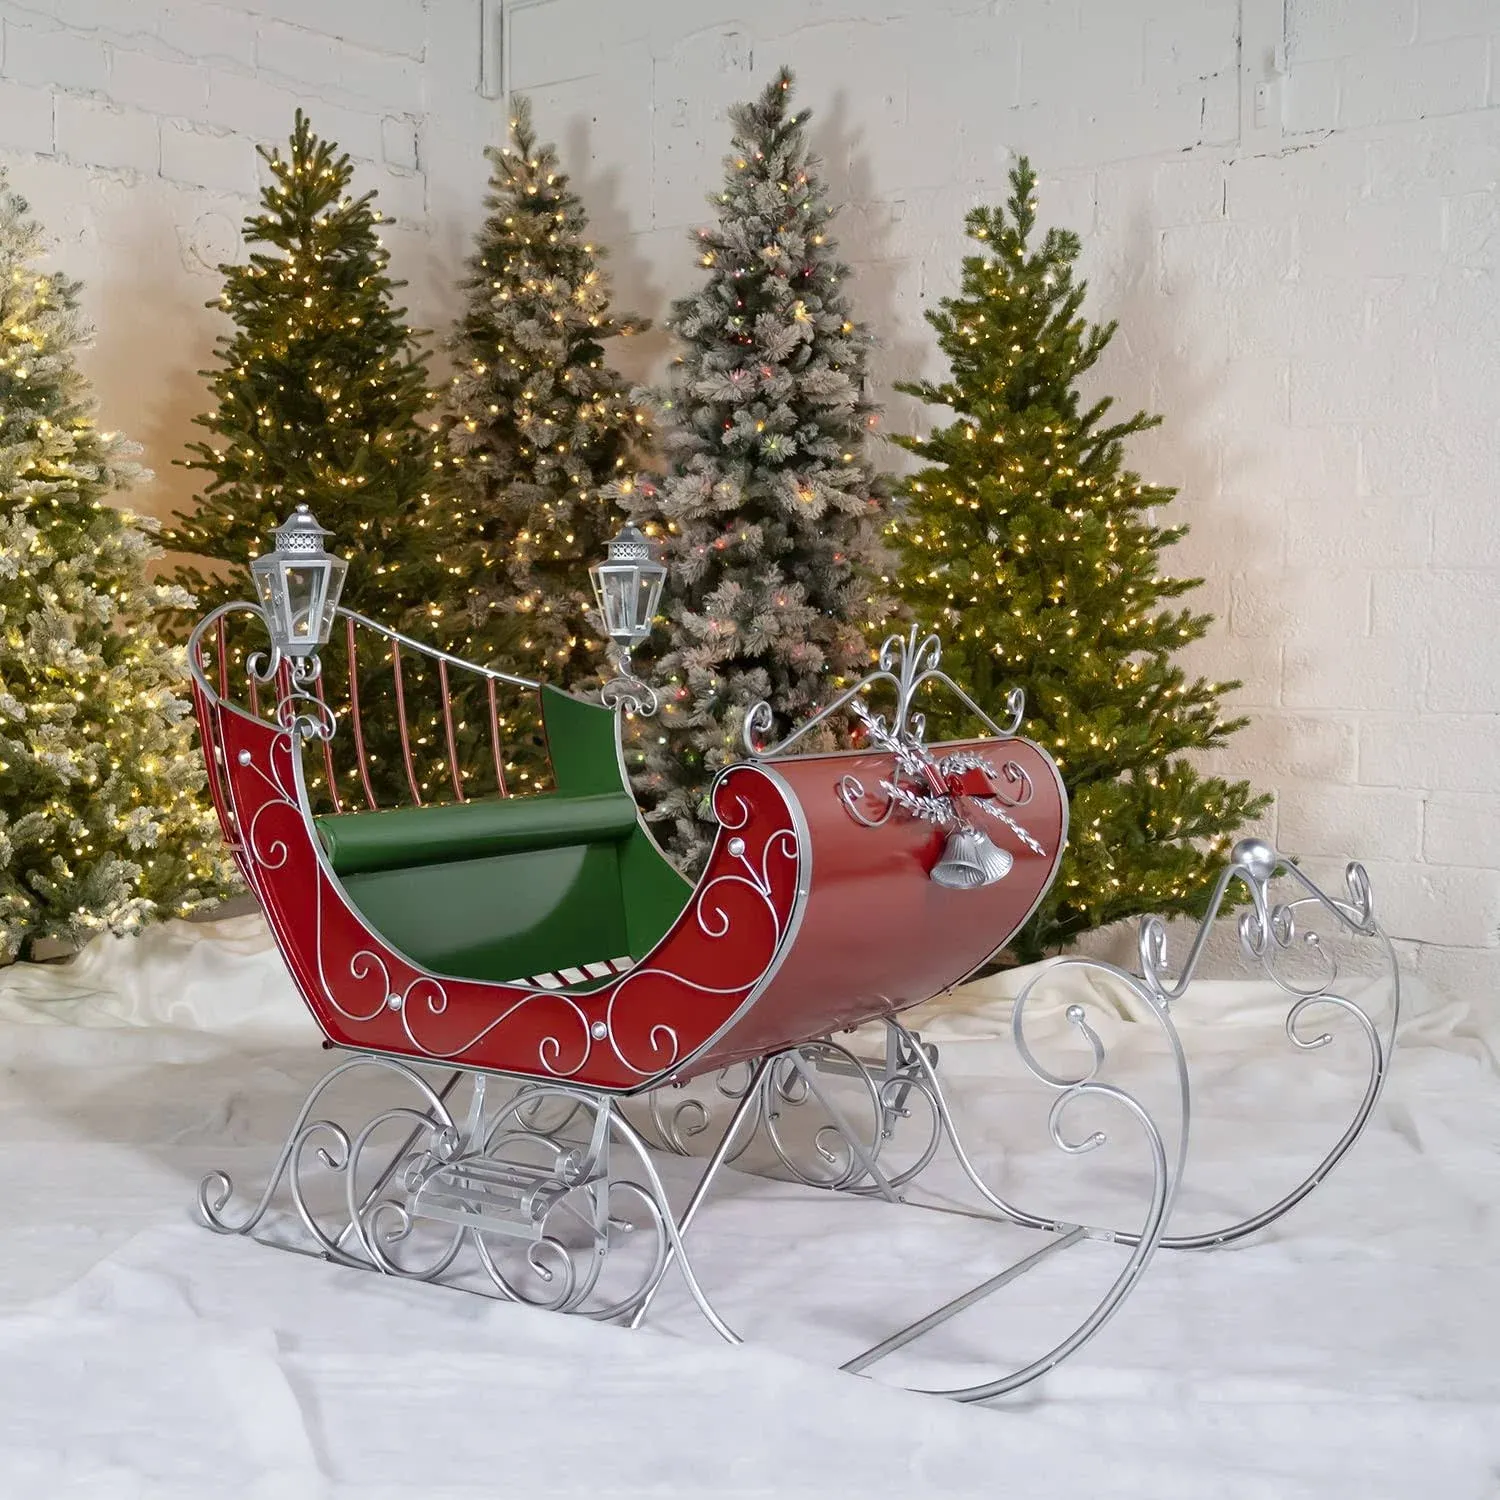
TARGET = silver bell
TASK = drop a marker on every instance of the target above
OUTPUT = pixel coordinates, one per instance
(970, 860)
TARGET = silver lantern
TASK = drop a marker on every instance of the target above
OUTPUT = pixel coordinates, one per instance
(299, 584)
(627, 586)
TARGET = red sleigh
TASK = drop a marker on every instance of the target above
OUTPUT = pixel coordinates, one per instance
(544, 938)
(547, 937)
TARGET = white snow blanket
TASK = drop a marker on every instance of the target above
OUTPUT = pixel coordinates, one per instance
(1353, 1349)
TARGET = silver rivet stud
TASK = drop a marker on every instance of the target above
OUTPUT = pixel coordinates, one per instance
(1075, 1014)
(244, 757)
(736, 847)
(598, 1031)
(393, 1002)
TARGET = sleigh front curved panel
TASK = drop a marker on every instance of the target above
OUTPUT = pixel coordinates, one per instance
(620, 1032)
(877, 934)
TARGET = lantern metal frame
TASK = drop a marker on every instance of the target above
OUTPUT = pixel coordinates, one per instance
(298, 549)
(629, 613)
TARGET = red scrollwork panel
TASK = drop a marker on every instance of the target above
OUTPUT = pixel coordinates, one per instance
(629, 1032)
(877, 934)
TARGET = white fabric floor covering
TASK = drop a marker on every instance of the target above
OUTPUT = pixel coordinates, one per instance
(1353, 1349)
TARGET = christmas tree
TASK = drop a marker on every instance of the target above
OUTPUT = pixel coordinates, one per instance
(1033, 549)
(102, 821)
(536, 422)
(772, 511)
(318, 391)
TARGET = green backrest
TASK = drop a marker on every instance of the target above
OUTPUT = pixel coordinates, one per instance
(358, 843)
(510, 887)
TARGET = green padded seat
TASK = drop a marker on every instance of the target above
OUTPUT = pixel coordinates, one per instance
(514, 887)
(357, 843)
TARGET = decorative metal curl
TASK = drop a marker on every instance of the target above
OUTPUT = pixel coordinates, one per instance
(380, 1223)
(305, 715)
(626, 693)
(1267, 931)
(850, 791)
(1270, 933)
(842, 1153)
(340, 1156)
(904, 664)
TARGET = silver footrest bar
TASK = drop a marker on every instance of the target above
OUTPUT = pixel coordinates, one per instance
(501, 1198)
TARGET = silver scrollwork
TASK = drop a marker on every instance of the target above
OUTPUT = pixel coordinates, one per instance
(539, 1212)
(627, 693)
(905, 665)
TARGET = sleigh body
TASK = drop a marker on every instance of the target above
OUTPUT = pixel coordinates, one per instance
(545, 936)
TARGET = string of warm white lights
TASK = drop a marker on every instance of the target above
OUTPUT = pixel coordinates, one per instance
(1027, 541)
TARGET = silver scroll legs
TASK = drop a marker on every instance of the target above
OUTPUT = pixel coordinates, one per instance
(547, 1196)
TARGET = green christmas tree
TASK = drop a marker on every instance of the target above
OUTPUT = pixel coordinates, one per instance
(318, 392)
(772, 510)
(103, 820)
(1032, 548)
(536, 422)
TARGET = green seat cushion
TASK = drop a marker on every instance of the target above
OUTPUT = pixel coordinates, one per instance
(501, 916)
(404, 837)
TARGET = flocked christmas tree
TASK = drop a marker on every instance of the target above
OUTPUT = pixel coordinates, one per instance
(318, 392)
(103, 820)
(772, 509)
(536, 421)
(1033, 548)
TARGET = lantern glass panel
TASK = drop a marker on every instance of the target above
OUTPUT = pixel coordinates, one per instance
(617, 589)
(265, 584)
(337, 570)
(652, 579)
(305, 584)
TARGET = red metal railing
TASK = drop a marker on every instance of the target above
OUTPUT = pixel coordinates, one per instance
(441, 719)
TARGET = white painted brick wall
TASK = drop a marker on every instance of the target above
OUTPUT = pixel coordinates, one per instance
(202, 156)
(132, 126)
(1309, 295)
(1304, 263)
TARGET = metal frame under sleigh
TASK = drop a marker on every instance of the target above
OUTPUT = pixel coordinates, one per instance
(541, 989)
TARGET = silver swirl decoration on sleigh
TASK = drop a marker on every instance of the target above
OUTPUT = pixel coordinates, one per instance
(1301, 946)
(493, 1200)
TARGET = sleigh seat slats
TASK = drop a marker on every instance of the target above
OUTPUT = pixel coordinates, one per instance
(357, 843)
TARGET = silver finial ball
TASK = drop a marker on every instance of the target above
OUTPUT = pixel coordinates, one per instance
(1256, 857)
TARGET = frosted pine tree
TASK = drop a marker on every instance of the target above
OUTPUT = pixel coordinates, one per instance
(772, 510)
(536, 421)
(103, 821)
